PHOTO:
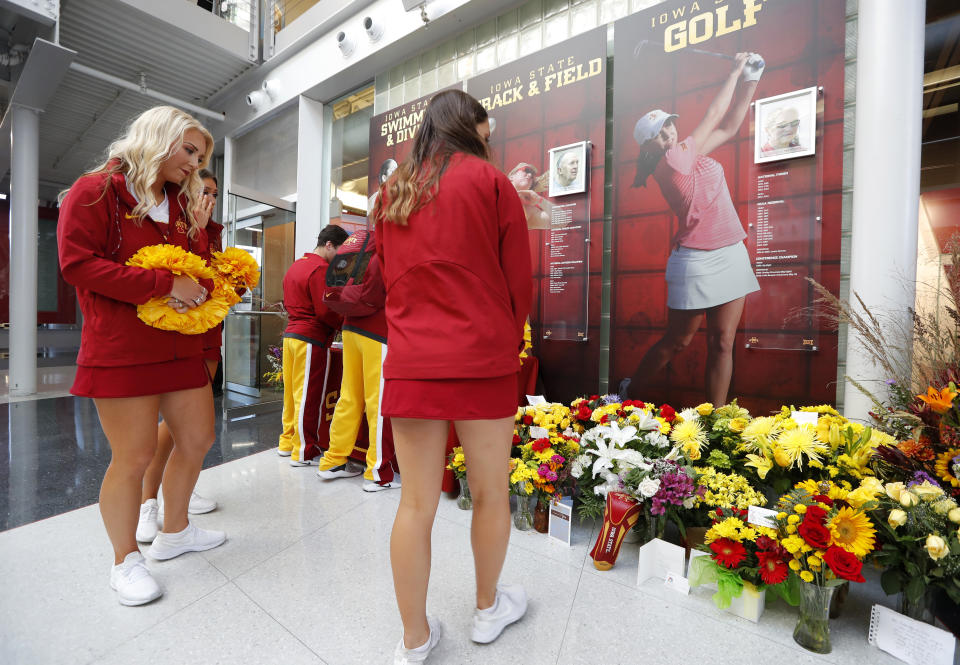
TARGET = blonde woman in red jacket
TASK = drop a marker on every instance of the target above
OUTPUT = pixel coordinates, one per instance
(453, 242)
(145, 193)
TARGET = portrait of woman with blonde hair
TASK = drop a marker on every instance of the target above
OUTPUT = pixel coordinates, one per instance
(146, 192)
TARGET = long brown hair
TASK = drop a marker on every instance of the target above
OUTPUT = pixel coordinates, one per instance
(449, 126)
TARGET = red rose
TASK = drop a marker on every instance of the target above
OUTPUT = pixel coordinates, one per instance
(584, 412)
(815, 513)
(604, 418)
(823, 499)
(593, 397)
(814, 533)
(528, 420)
(844, 565)
(667, 413)
(516, 439)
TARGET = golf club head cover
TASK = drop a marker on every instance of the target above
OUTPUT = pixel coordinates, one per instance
(621, 513)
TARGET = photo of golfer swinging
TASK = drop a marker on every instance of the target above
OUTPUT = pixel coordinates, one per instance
(786, 126)
(708, 272)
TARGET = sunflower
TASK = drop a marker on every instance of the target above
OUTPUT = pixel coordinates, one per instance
(689, 432)
(943, 464)
(852, 531)
(798, 442)
(757, 434)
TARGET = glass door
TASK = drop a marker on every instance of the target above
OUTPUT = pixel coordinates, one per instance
(264, 226)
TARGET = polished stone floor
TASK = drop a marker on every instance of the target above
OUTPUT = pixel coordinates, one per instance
(57, 453)
(304, 576)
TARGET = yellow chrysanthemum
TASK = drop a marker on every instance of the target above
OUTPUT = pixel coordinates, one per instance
(943, 466)
(798, 443)
(757, 434)
(238, 267)
(689, 432)
(853, 531)
(806, 576)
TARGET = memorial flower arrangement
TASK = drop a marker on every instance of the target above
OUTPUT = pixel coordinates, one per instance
(722, 491)
(742, 555)
(275, 359)
(919, 532)
(588, 412)
(779, 451)
(230, 270)
(546, 463)
(457, 463)
(547, 421)
(710, 436)
(826, 536)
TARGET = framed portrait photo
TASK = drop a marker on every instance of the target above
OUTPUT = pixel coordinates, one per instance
(785, 126)
(568, 169)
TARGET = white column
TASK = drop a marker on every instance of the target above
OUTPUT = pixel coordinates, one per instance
(310, 152)
(24, 177)
(886, 179)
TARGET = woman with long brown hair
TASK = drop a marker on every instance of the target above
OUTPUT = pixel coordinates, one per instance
(453, 242)
(145, 193)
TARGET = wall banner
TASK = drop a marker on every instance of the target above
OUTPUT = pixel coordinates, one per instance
(727, 196)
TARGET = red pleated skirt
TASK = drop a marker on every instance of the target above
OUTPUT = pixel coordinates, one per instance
(140, 380)
(450, 399)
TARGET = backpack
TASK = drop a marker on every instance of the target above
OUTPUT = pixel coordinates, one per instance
(352, 259)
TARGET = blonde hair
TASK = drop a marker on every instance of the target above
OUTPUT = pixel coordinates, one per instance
(150, 140)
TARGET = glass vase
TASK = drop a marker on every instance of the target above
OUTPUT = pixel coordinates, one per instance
(813, 626)
(464, 501)
(523, 518)
(921, 609)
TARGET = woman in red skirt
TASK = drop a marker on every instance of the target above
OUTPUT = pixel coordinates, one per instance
(145, 193)
(148, 524)
(452, 238)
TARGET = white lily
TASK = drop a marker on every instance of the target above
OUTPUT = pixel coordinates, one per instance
(646, 421)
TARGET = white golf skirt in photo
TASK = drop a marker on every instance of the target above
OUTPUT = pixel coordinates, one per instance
(703, 278)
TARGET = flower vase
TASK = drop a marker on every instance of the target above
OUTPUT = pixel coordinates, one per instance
(839, 597)
(523, 519)
(620, 514)
(813, 626)
(921, 609)
(541, 517)
(464, 501)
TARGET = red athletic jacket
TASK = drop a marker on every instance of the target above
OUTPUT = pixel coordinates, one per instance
(362, 304)
(309, 319)
(458, 279)
(96, 234)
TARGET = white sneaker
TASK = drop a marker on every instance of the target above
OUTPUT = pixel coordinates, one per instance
(404, 656)
(347, 470)
(200, 505)
(374, 486)
(133, 582)
(192, 539)
(509, 606)
(149, 522)
(283, 453)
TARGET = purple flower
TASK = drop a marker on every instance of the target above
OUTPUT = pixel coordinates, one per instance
(610, 399)
(920, 477)
(558, 459)
(675, 487)
(543, 470)
(552, 476)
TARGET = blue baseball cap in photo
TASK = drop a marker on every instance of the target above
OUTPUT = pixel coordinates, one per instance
(650, 125)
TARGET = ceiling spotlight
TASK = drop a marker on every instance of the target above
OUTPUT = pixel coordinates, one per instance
(345, 44)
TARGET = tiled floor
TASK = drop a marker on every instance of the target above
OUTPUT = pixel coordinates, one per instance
(304, 577)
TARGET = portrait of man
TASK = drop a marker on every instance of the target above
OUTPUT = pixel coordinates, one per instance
(568, 169)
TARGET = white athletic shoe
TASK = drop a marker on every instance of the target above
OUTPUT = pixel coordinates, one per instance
(133, 582)
(404, 656)
(347, 470)
(374, 486)
(200, 505)
(192, 539)
(510, 605)
(149, 523)
(283, 453)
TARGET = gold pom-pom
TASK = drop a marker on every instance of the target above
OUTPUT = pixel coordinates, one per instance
(238, 267)
(173, 258)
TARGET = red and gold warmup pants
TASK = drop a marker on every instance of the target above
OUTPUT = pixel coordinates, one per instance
(305, 372)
